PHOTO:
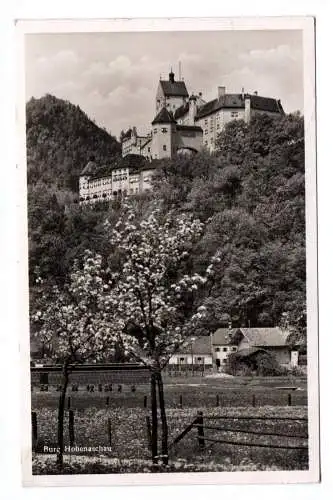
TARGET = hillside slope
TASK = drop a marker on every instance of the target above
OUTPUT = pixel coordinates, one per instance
(60, 140)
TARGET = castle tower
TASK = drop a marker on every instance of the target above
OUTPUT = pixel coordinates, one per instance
(164, 137)
(170, 93)
(192, 110)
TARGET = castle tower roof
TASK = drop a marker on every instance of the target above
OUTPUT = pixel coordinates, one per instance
(163, 116)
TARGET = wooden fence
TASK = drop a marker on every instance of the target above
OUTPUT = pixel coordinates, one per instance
(203, 423)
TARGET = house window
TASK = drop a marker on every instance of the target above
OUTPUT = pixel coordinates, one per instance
(148, 150)
(155, 130)
(225, 349)
(234, 348)
(164, 130)
(234, 114)
(217, 349)
(164, 147)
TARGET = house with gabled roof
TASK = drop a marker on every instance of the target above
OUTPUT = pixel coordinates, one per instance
(195, 353)
(248, 342)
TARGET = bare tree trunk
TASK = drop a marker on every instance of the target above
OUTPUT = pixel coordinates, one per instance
(154, 435)
(61, 411)
(163, 419)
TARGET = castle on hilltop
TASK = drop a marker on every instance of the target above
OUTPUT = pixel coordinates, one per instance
(183, 125)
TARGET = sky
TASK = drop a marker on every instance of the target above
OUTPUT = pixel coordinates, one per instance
(113, 77)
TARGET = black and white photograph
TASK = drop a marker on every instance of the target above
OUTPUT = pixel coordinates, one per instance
(169, 178)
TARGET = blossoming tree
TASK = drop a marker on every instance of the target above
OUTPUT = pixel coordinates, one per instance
(155, 301)
(69, 324)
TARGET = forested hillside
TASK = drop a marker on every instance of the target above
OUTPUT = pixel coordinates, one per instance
(250, 194)
(60, 140)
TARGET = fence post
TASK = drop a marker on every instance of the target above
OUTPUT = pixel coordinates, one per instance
(145, 401)
(201, 434)
(181, 401)
(71, 428)
(289, 399)
(107, 402)
(34, 429)
(148, 432)
(109, 432)
(217, 400)
(253, 400)
(68, 402)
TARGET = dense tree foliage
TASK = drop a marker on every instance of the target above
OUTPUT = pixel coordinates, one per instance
(60, 140)
(250, 195)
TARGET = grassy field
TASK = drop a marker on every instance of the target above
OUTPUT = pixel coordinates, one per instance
(188, 392)
(129, 440)
(130, 443)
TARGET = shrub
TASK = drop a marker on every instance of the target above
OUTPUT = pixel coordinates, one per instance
(267, 364)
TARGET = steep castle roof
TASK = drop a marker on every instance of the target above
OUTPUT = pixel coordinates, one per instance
(182, 110)
(164, 116)
(174, 88)
(237, 101)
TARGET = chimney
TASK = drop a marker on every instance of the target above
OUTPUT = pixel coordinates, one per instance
(220, 91)
(242, 92)
(255, 92)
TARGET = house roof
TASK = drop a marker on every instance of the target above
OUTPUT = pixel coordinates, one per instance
(182, 110)
(248, 351)
(223, 336)
(201, 345)
(190, 128)
(266, 337)
(89, 169)
(175, 88)
(128, 134)
(164, 116)
(237, 101)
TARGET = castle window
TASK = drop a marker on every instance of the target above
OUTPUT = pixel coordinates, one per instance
(164, 147)
(148, 150)
(155, 130)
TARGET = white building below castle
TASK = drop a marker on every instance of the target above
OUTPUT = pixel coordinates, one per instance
(183, 125)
